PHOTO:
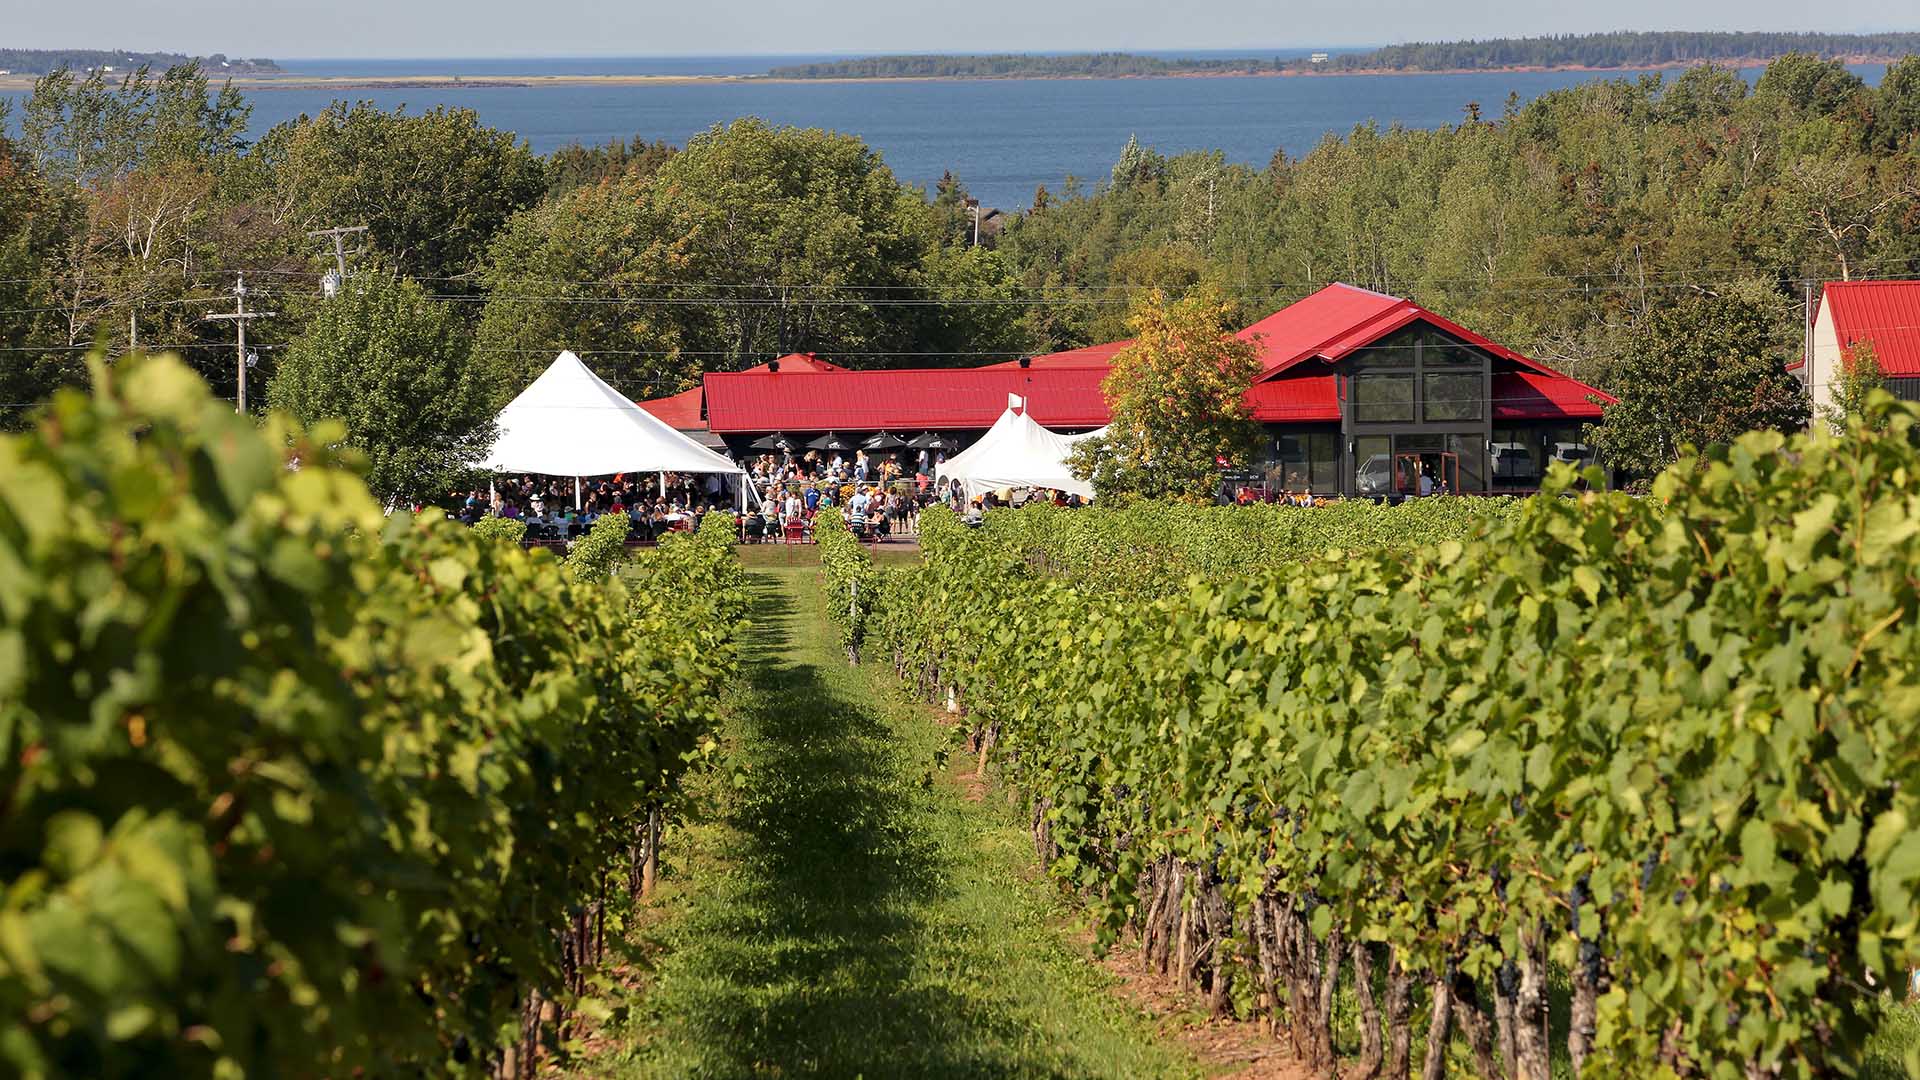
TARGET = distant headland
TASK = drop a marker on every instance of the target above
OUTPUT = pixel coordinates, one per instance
(118, 61)
(1576, 52)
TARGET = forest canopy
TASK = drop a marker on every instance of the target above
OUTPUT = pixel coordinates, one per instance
(1601, 51)
(44, 61)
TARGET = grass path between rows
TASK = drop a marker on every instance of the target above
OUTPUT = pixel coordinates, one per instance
(846, 911)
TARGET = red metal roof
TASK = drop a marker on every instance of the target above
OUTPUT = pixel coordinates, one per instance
(1886, 313)
(1340, 319)
(681, 410)
(1517, 395)
(800, 362)
(1535, 395)
(1295, 399)
(1099, 356)
(938, 399)
(809, 394)
(1330, 323)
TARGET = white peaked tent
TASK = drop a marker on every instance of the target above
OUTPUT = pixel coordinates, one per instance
(1017, 452)
(571, 423)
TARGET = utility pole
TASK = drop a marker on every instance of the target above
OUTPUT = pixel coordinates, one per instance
(240, 316)
(339, 236)
(974, 205)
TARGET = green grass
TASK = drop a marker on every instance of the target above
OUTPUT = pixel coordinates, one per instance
(849, 912)
(807, 556)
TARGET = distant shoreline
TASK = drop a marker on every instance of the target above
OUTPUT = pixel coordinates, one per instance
(294, 81)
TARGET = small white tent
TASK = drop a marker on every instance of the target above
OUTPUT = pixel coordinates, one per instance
(571, 423)
(1017, 452)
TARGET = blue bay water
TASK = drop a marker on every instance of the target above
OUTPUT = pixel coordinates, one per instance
(1002, 138)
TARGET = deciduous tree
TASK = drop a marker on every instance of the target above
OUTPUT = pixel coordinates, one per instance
(37, 223)
(394, 366)
(431, 189)
(1177, 396)
(1701, 372)
(580, 272)
(1860, 377)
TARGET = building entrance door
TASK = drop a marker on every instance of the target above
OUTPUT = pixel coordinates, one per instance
(1441, 467)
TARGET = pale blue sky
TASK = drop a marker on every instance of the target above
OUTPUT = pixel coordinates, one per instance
(366, 28)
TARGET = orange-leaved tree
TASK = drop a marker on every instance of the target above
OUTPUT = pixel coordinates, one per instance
(1178, 399)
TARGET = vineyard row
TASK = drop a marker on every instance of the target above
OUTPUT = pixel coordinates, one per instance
(1666, 749)
(291, 788)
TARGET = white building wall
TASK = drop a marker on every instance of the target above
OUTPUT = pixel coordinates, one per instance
(1824, 365)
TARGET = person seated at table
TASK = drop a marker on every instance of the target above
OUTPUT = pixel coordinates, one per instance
(857, 512)
(976, 512)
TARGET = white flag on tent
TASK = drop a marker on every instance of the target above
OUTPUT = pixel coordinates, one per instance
(1015, 401)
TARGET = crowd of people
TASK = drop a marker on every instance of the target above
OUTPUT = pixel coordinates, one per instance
(546, 503)
(1250, 495)
(878, 496)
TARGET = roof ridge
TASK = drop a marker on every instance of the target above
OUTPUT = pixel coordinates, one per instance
(1359, 288)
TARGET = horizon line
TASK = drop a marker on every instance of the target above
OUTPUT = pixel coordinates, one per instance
(1250, 51)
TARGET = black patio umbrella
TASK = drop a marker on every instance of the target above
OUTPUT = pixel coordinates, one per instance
(832, 440)
(884, 441)
(776, 441)
(930, 441)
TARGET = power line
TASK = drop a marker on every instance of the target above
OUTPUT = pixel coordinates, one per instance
(1634, 278)
(1279, 285)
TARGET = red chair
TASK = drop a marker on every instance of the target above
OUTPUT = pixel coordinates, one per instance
(795, 531)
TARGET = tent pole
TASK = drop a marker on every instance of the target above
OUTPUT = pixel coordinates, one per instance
(663, 485)
(576, 493)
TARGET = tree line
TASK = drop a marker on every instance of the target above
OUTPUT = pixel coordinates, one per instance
(1624, 49)
(1568, 228)
(47, 61)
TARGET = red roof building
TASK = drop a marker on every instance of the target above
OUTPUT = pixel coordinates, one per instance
(1882, 315)
(906, 399)
(1363, 394)
(686, 410)
(681, 411)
